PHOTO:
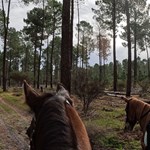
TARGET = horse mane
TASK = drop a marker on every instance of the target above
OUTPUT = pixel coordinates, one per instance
(53, 127)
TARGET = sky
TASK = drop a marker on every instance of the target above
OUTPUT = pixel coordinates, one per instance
(19, 11)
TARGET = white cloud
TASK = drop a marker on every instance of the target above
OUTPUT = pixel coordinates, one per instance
(17, 14)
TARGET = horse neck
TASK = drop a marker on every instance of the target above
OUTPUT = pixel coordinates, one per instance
(83, 142)
(144, 117)
(53, 129)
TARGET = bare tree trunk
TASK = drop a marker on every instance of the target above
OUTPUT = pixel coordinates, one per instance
(65, 46)
(6, 23)
(114, 46)
(9, 70)
(148, 63)
(104, 70)
(0, 78)
(83, 51)
(39, 63)
(135, 51)
(71, 28)
(34, 67)
(77, 56)
(100, 58)
(25, 63)
(47, 66)
(39, 70)
(51, 62)
(52, 51)
(135, 62)
(78, 34)
(128, 88)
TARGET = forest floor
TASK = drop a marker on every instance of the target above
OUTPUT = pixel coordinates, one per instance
(104, 122)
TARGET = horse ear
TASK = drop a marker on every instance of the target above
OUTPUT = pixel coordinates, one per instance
(61, 90)
(126, 99)
(31, 95)
(60, 87)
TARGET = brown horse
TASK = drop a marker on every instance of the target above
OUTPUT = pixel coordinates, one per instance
(56, 125)
(137, 111)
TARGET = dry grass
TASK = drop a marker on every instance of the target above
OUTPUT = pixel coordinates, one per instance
(105, 124)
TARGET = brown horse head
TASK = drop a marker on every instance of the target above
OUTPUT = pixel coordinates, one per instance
(56, 125)
(130, 114)
(135, 111)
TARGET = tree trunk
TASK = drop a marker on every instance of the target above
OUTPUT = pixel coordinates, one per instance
(114, 46)
(26, 60)
(56, 72)
(34, 66)
(0, 78)
(100, 59)
(77, 55)
(104, 70)
(39, 63)
(47, 64)
(52, 51)
(135, 51)
(135, 62)
(71, 29)
(51, 62)
(128, 88)
(9, 70)
(148, 63)
(78, 35)
(65, 46)
(6, 23)
(83, 51)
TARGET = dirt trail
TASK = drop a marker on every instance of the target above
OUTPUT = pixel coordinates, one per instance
(20, 113)
(13, 124)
